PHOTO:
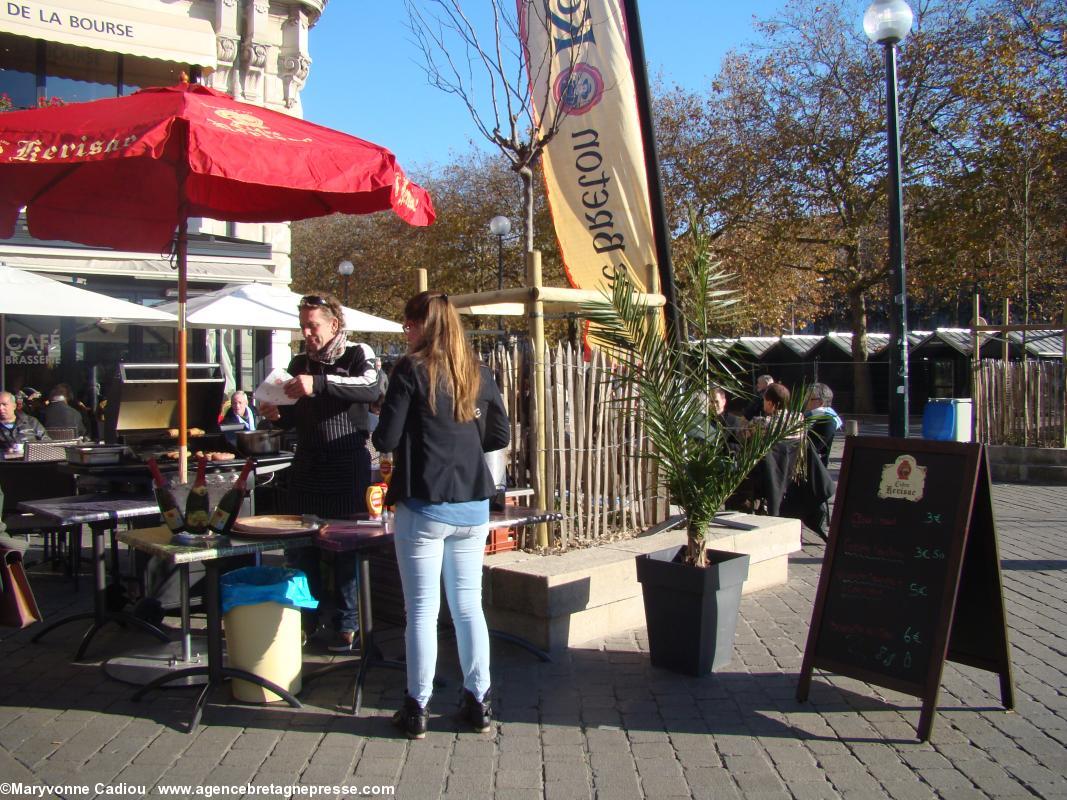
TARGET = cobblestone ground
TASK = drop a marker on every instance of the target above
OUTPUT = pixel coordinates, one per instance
(597, 722)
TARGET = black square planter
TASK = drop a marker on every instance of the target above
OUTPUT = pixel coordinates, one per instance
(690, 612)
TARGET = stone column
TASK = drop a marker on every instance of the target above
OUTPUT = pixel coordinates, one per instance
(294, 61)
(227, 46)
(254, 49)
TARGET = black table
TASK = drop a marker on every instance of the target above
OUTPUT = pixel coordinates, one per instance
(100, 512)
(151, 541)
(361, 538)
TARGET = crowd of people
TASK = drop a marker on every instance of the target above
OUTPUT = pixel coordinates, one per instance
(438, 412)
(26, 416)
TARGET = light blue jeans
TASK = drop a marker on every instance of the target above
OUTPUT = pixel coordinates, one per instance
(426, 550)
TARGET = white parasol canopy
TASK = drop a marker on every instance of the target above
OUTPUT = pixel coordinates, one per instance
(264, 307)
(27, 293)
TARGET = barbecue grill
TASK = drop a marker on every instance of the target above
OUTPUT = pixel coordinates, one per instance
(141, 416)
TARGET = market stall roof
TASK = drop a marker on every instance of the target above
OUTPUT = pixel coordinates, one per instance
(876, 342)
(1040, 344)
(959, 339)
(801, 343)
(756, 345)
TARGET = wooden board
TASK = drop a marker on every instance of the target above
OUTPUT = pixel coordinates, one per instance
(272, 526)
(911, 575)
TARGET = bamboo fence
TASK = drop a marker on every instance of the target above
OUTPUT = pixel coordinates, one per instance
(595, 472)
(1021, 403)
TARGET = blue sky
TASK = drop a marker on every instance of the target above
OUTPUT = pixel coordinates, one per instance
(366, 76)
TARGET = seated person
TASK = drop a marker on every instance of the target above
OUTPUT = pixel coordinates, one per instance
(239, 412)
(60, 413)
(16, 428)
(824, 421)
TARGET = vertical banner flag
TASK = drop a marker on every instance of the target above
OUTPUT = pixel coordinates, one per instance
(578, 56)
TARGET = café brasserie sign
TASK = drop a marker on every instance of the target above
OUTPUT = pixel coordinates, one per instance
(31, 349)
(150, 30)
(42, 14)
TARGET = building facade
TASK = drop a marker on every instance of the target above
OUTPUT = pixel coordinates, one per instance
(68, 51)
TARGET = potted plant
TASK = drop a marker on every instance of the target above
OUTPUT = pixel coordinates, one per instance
(691, 593)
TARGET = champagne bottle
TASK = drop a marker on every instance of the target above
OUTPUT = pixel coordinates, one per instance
(229, 506)
(198, 504)
(168, 506)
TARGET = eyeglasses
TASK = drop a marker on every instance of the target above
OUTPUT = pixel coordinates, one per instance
(313, 300)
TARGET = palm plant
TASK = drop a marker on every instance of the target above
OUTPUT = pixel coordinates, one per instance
(701, 463)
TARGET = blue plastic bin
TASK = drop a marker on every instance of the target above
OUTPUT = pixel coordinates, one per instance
(947, 419)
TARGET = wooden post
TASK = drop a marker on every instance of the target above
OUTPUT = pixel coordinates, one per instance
(976, 373)
(422, 282)
(1005, 368)
(535, 311)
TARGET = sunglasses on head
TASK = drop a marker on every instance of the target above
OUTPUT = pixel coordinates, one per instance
(313, 300)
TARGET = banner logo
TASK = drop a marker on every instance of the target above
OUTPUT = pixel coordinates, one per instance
(579, 89)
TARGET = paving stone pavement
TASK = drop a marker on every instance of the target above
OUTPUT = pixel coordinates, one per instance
(597, 722)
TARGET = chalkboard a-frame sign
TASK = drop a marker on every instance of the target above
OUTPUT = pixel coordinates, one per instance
(911, 575)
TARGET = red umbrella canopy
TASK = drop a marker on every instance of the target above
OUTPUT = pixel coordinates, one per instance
(123, 172)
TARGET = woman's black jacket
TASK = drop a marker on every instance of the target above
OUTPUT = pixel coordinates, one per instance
(435, 458)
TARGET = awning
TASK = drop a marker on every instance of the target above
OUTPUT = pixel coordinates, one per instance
(203, 270)
(164, 33)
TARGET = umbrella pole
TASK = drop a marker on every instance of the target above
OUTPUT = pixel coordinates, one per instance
(183, 350)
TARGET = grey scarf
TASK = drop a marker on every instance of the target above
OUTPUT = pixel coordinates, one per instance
(332, 350)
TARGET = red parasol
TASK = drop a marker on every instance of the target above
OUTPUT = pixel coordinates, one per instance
(128, 173)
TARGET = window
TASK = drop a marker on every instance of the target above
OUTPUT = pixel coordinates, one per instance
(18, 70)
(78, 74)
(75, 74)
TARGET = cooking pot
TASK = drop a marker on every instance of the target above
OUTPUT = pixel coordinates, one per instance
(259, 443)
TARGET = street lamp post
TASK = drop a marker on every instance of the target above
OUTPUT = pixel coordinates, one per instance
(345, 270)
(500, 227)
(887, 22)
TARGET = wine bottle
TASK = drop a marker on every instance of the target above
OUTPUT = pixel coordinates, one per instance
(168, 506)
(229, 506)
(198, 504)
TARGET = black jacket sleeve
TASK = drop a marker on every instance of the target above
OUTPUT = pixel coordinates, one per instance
(359, 385)
(398, 399)
(436, 458)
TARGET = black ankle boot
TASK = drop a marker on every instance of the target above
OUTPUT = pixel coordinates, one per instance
(412, 718)
(479, 715)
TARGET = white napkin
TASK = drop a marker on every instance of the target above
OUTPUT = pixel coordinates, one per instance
(270, 391)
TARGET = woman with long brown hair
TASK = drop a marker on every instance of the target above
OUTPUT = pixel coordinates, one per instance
(442, 412)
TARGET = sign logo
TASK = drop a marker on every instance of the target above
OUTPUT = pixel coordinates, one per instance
(248, 124)
(904, 479)
(41, 349)
(579, 89)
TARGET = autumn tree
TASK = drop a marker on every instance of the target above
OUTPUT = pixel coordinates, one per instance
(457, 250)
(998, 217)
(785, 157)
(488, 71)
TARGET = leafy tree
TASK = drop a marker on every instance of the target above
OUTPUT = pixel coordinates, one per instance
(457, 250)
(785, 157)
(488, 71)
(998, 217)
